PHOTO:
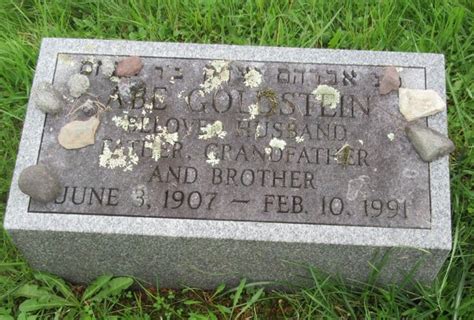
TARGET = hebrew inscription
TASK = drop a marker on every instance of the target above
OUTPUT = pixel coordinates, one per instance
(238, 140)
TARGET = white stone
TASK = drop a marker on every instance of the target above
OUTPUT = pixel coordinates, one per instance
(415, 103)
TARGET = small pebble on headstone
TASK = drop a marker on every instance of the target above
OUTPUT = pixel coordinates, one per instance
(86, 68)
(429, 144)
(107, 67)
(390, 81)
(78, 84)
(89, 108)
(130, 66)
(48, 99)
(78, 134)
(39, 183)
(416, 103)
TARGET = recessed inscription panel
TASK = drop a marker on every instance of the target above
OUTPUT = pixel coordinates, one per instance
(239, 140)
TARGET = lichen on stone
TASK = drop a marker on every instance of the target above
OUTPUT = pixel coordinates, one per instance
(216, 75)
(328, 95)
(132, 160)
(113, 97)
(213, 130)
(130, 124)
(271, 96)
(277, 143)
(391, 136)
(299, 139)
(121, 122)
(147, 108)
(168, 137)
(259, 131)
(159, 97)
(253, 112)
(212, 159)
(154, 142)
(253, 78)
(342, 156)
(68, 60)
(118, 158)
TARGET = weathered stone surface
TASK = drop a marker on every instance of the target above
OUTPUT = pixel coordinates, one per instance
(89, 108)
(128, 86)
(39, 183)
(269, 148)
(229, 163)
(415, 103)
(78, 134)
(130, 66)
(429, 144)
(390, 81)
(107, 67)
(78, 84)
(48, 99)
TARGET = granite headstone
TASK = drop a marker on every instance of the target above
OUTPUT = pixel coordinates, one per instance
(211, 163)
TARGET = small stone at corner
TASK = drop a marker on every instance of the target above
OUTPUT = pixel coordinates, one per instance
(39, 183)
(429, 144)
(48, 99)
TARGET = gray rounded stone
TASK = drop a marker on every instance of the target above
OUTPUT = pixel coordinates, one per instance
(48, 99)
(108, 67)
(78, 84)
(39, 183)
(429, 144)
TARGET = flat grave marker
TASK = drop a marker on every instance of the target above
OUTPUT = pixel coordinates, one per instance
(202, 164)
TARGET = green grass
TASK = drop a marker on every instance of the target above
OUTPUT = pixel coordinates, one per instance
(416, 26)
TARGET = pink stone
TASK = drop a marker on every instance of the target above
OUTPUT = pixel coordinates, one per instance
(390, 80)
(129, 67)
